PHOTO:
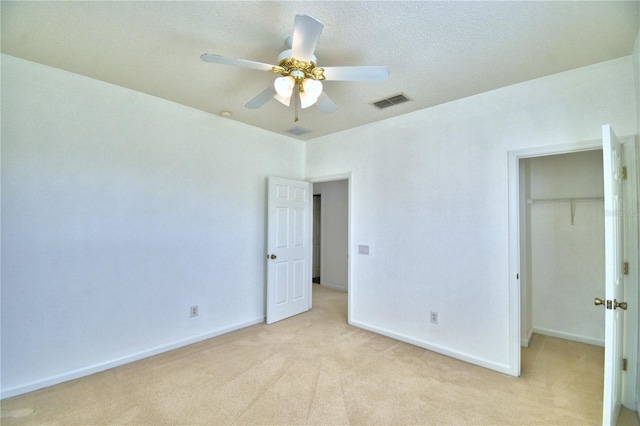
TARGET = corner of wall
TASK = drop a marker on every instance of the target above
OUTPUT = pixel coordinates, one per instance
(635, 56)
(636, 79)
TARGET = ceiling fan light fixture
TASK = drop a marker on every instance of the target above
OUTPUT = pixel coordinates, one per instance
(284, 86)
(299, 75)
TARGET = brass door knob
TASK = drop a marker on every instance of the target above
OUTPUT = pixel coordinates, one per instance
(621, 305)
(598, 301)
(273, 256)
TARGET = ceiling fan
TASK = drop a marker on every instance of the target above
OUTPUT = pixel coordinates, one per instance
(300, 77)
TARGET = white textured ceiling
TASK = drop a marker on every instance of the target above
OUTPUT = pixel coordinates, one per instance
(436, 52)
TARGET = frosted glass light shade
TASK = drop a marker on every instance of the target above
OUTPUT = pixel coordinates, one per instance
(284, 86)
(312, 87)
(306, 100)
(284, 101)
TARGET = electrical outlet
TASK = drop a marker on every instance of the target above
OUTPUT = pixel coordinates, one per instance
(193, 311)
(434, 317)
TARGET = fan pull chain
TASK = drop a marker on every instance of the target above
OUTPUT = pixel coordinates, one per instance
(296, 101)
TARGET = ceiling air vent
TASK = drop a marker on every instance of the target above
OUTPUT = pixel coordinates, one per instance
(297, 131)
(393, 100)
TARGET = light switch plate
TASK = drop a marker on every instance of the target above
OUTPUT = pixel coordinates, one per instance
(362, 249)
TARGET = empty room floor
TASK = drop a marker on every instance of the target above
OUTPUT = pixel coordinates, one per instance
(314, 368)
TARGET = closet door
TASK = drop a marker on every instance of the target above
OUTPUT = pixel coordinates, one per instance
(614, 279)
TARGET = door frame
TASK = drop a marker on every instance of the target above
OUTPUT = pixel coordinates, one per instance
(316, 253)
(331, 178)
(514, 158)
(631, 345)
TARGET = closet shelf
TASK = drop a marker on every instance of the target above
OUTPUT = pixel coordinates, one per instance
(571, 201)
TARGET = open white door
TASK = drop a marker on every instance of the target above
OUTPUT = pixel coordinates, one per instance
(614, 285)
(289, 248)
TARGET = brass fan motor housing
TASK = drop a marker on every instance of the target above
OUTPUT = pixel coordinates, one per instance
(310, 69)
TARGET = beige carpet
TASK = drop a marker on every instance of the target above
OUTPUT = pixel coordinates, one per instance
(316, 369)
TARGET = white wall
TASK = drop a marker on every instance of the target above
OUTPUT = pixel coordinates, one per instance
(429, 194)
(567, 258)
(119, 211)
(334, 230)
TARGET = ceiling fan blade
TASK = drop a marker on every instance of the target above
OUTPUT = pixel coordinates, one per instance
(262, 98)
(325, 104)
(244, 63)
(356, 73)
(306, 33)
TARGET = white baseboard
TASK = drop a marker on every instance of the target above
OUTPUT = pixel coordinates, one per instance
(333, 286)
(501, 368)
(96, 368)
(567, 336)
(526, 340)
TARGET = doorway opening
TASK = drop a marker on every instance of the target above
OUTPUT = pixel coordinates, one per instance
(332, 233)
(562, 270)
(562, 246)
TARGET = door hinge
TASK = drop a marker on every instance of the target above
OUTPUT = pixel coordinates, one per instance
(624, 364)
(624, 172)
(625, 268)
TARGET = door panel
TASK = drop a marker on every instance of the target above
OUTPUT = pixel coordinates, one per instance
(289, 248)
(299, 282)
(614, 284)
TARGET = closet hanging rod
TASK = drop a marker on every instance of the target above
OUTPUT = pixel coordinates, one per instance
(562, 200)
(572, 201)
